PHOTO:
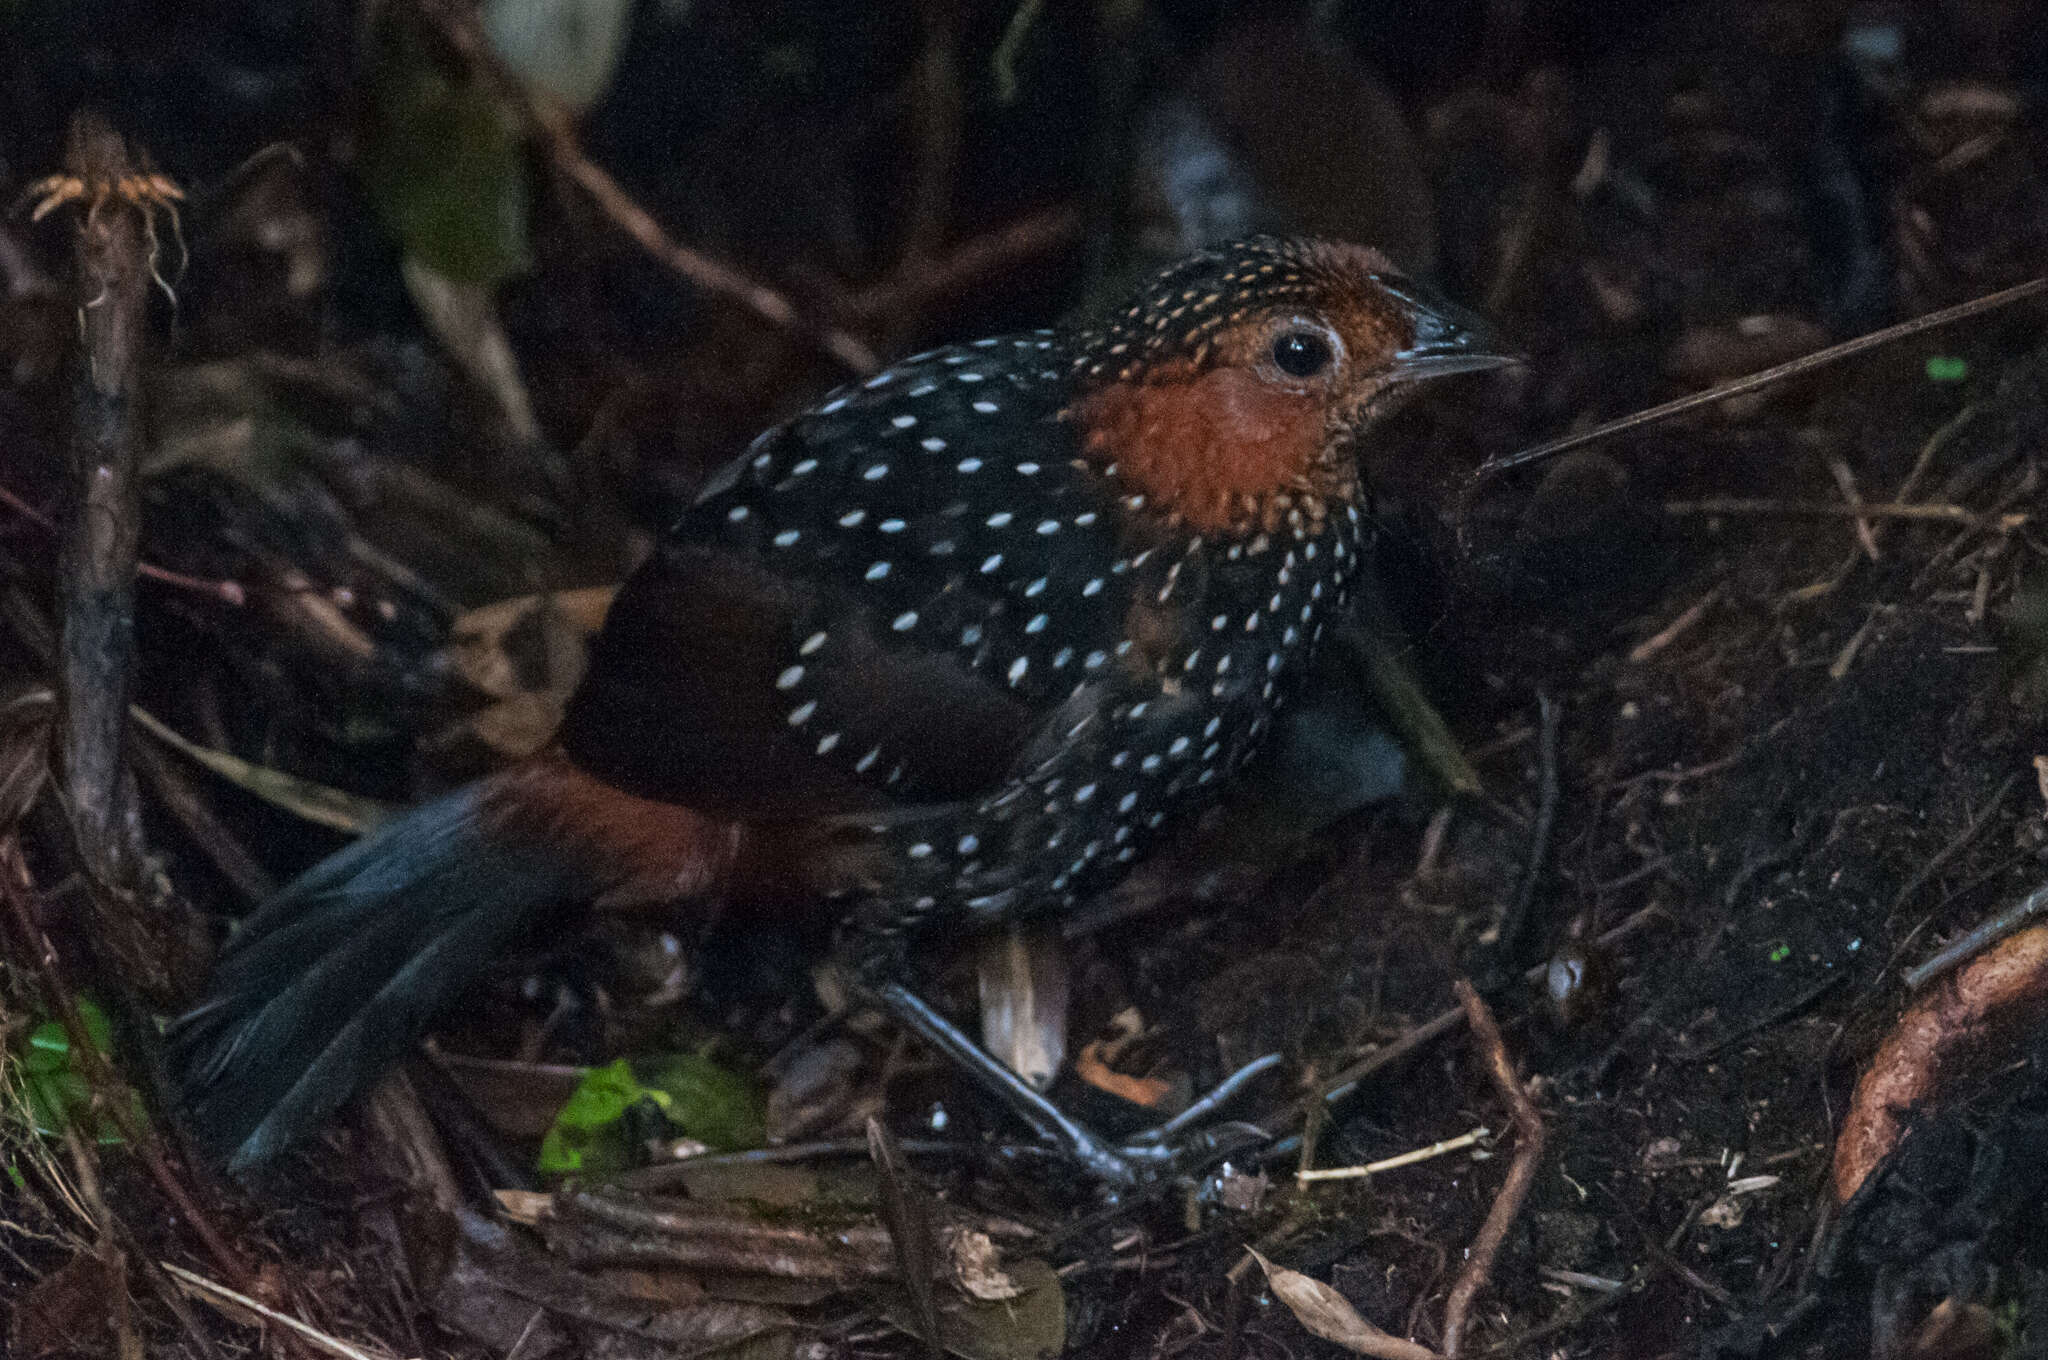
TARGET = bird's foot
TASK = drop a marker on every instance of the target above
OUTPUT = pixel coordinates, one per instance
(1182, 1145)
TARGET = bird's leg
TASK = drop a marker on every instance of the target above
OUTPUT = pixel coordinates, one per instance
(1149, 1154)
(1046, 1119)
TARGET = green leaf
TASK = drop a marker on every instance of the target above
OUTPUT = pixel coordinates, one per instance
(98, 1028)
(49, 1048)
(47, 1109)
(445, 165)
(557, 1156)
(588, 1135)
(600, 1098)
(56, 1093)
(705, 1101)
(1947, 368)
(688, 1093)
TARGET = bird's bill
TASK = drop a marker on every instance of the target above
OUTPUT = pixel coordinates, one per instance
(1446, 339)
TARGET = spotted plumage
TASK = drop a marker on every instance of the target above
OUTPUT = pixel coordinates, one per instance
(954, 646)
(1002, 625)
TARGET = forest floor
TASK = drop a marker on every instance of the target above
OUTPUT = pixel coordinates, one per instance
(1754, 698)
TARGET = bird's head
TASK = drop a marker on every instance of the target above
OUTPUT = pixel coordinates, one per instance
(1230, 394)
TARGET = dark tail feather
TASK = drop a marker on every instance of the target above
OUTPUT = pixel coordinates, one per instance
(336, 977)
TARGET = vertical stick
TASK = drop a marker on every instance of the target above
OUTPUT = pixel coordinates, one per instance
(140, 942)
(96, 572)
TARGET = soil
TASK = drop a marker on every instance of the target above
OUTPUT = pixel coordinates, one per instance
(1790, 752)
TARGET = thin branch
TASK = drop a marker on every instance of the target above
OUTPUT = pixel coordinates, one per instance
(1845, 479)
(1958, 951)
(1762, 505)
(227, 592)
(1516, 922)
(938, 118)
(1344, 1083)
(1529, 1138)
(1394, 1163)
(913, 289)
(1673, 630)
(234, 1300)
(557, 139)
(1777, 373)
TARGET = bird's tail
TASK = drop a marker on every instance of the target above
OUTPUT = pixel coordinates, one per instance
(336, 977)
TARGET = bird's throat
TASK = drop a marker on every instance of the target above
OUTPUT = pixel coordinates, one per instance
(1219, 451)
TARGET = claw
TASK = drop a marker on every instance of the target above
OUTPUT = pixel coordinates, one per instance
(1153, 1155)
(1226, 1090)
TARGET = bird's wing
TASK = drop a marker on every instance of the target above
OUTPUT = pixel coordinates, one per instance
(881, 603)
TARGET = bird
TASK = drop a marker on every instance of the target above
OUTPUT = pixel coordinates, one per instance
(951, 649)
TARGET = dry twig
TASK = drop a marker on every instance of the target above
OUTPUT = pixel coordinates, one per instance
(1763, 505)
(236, 1303)
(1529, 1137)
(913, 288)
(1410, 1158)
(1671, 631)
(1777, 373)
(1974, 942)
(1845, 479)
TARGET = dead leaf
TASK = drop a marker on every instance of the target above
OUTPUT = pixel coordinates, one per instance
(528, 653)
(517, 1099)
(1031, 1326)
(1959, 1029)
(1330, 1315)
(906, 1210)
(529, 644)
(818, 1091)
(463, 315)
(977, 1267)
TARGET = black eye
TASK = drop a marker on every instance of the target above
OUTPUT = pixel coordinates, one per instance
(1301, 353)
